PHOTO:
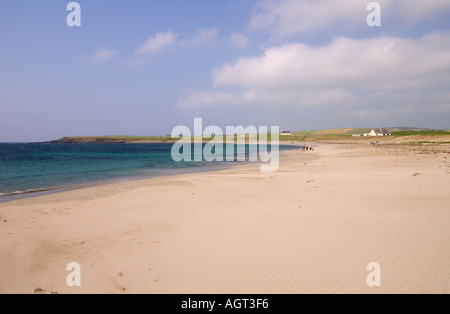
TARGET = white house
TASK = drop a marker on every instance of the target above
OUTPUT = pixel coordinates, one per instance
(379, 132)
(286, 133)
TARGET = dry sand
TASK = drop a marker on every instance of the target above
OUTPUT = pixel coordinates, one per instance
(311, 227)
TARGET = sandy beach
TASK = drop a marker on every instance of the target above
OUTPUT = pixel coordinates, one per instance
(311, 227)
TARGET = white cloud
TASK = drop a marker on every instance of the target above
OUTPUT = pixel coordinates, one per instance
(204, 35)
(156, 43)
(387, 63)
(103, 55)
(290, 17)
(161, 41)
(287, 17)
(358, 75)
(239, 41)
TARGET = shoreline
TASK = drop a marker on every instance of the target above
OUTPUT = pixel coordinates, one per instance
(9, 197)
(311, 227)
(157, 173)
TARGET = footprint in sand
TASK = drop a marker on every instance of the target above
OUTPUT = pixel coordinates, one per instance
(119, 289)
(416, 174)
(42, 291)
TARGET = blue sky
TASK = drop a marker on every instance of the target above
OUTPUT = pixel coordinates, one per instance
(143, 67)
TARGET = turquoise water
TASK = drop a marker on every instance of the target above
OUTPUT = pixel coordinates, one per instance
(26, 168)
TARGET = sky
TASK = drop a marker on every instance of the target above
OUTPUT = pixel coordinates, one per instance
(143, 67)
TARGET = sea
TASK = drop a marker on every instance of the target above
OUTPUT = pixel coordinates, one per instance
(29, 169)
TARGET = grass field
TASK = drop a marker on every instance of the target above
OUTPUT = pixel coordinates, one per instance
(405, 137)
(421, 133)
(114, 139)
(334, 132)
(423, 137)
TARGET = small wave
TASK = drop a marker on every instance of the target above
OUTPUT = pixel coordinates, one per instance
(11, 193)
(26, 192)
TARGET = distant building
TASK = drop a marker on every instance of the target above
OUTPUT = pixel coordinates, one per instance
(286, 133)
(378, 132)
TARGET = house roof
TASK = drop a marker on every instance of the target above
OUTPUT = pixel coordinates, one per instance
(381, 131)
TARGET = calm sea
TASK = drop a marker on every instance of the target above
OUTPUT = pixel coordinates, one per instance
(28, 168)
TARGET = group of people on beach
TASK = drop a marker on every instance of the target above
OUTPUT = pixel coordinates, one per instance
(307, 147)
(374, 143)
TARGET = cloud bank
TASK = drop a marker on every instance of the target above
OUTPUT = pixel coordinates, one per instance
(386, 72)
(381, 63)
(290, 17)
